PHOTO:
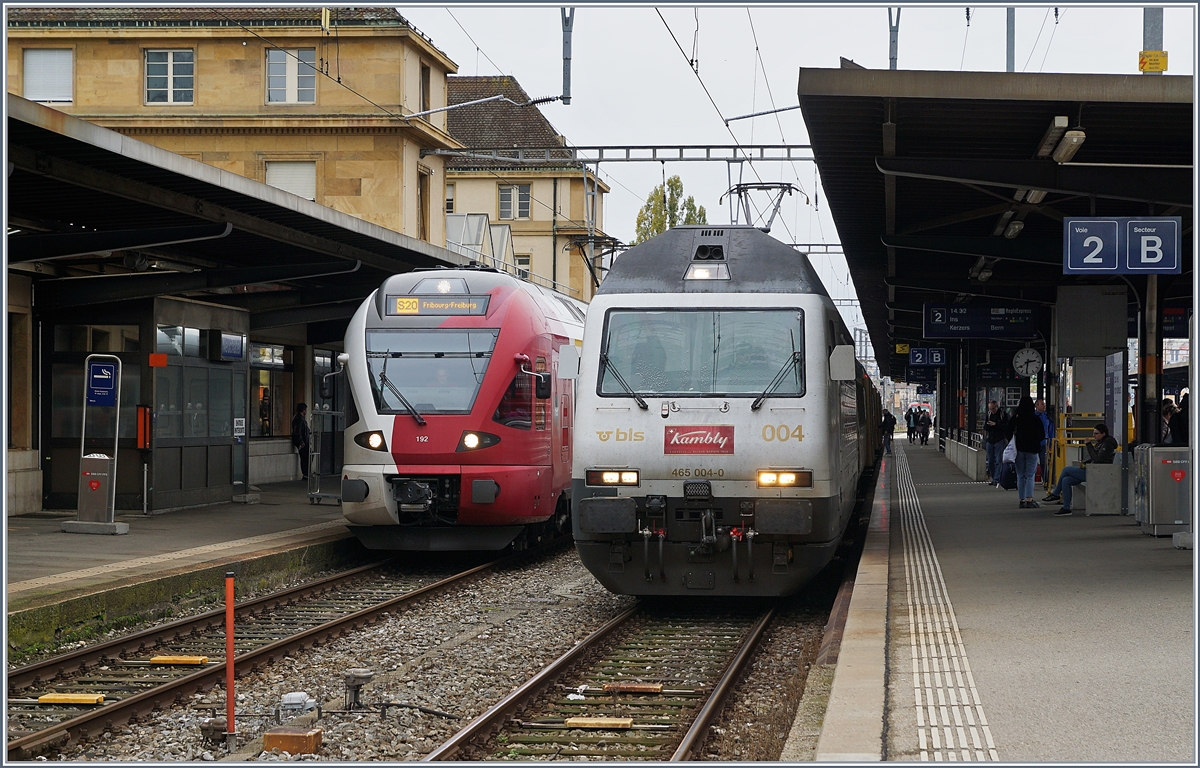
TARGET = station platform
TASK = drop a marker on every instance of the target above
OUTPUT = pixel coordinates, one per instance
(981, 631)
(68, 586)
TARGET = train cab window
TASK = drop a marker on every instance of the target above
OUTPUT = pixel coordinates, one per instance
(437, 371)
(516, 407)
(734, 352)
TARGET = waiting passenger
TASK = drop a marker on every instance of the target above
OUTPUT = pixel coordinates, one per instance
(1101, 450)
(1179, 422)
(1028, 431)
(995, 427)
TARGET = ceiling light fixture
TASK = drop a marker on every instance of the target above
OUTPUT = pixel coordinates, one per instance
(1071, 142)
(1014, 228)
(1035, 196)
(1058, 126)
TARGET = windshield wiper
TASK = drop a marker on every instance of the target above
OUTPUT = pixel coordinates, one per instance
(385, 382)
(606, 363)
(775, 382)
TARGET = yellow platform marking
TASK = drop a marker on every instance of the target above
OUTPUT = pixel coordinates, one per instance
(71, 698)
(951, 724)
(182, 660)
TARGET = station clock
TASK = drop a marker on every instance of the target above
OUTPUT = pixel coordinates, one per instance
(1027, 362)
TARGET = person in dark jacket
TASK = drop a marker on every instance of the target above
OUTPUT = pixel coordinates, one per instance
(301, 437)
(888, 427)
(1039, 407)
(994, 428)
(1102, 448)
(1179, 423)
(910, 421)
(923, 425)
(1029, 432)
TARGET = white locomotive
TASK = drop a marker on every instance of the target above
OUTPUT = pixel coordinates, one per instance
(723, 423)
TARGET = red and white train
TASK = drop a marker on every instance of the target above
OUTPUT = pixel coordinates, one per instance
(458, 427)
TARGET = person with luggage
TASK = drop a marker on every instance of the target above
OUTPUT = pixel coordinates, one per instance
(1102, 449)
(995, 441)
(1029, 434)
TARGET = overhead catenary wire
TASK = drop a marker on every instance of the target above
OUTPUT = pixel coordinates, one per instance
(965, 36)
(779, 122)
(1057, 18)
(717, 108)
(478, 49)
(1039, 37)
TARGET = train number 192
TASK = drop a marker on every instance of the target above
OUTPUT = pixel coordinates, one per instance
(782, 433)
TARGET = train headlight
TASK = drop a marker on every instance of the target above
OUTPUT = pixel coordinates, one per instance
(627, 477)
(473, 441)
(707, 272)
(372, 441)
(785, 478)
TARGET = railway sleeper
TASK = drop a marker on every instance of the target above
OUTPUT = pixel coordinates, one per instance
(530, 738)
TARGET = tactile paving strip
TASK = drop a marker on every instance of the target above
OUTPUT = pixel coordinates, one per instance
(951, 724)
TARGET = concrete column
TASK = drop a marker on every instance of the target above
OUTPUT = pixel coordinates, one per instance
(1152, 32)
(1010, 57)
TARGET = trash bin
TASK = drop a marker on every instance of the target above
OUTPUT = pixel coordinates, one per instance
(95, 496)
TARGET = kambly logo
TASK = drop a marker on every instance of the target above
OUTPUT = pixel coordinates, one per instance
(716, 439)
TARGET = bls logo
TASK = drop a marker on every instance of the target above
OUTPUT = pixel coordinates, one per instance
(623, 436)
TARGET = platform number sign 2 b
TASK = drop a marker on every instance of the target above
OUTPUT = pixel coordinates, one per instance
(102, 384)
(1122, 245)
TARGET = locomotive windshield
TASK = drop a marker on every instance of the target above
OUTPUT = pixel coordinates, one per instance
(703, 352)
(438, 371)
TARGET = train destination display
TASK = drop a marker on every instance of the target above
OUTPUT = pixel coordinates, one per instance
(437, 305)
(979, 322)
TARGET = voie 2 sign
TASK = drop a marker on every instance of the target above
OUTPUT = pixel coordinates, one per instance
(1122, 245)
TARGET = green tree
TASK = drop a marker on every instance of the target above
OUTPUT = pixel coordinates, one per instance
(666, 208)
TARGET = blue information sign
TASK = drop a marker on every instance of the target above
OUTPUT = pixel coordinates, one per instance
(1122, 245)
(937, 356)
(102, 384)
(916, 374)
(955, 321)
(918, 356)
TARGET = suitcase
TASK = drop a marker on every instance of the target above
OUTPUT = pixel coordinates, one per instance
(1008, 477)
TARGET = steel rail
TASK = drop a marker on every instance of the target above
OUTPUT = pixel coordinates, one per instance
(721, 691)
(77, 661)
(146, 702)
(528, 689)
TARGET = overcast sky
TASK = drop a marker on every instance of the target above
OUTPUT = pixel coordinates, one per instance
(631, 85)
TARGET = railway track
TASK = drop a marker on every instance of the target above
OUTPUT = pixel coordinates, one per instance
(645, 686)
(133, 676)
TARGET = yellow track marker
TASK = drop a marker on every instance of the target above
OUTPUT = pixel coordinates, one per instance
(633, 688)
(71, 698)
(182, 660)
(607, 723)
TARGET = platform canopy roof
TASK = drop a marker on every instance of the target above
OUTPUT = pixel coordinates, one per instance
(95, 216)
(926, 172)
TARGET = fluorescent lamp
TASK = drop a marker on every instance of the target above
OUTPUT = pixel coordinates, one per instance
(1014, 228)
(1070, 144)
(1058, 126)
(1035, 196)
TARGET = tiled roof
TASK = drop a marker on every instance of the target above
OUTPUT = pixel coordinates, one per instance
(497, 123)
(176, 16)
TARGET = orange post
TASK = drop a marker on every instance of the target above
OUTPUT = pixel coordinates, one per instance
(230, 698)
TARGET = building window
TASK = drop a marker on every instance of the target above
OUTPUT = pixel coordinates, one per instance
(49, 74)
(170, 77)
(422, 204)
(270, 390)
(426, 75)
(522, 260)
(292, 76)
(514, 198)
(449, 198)
(297, 177)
